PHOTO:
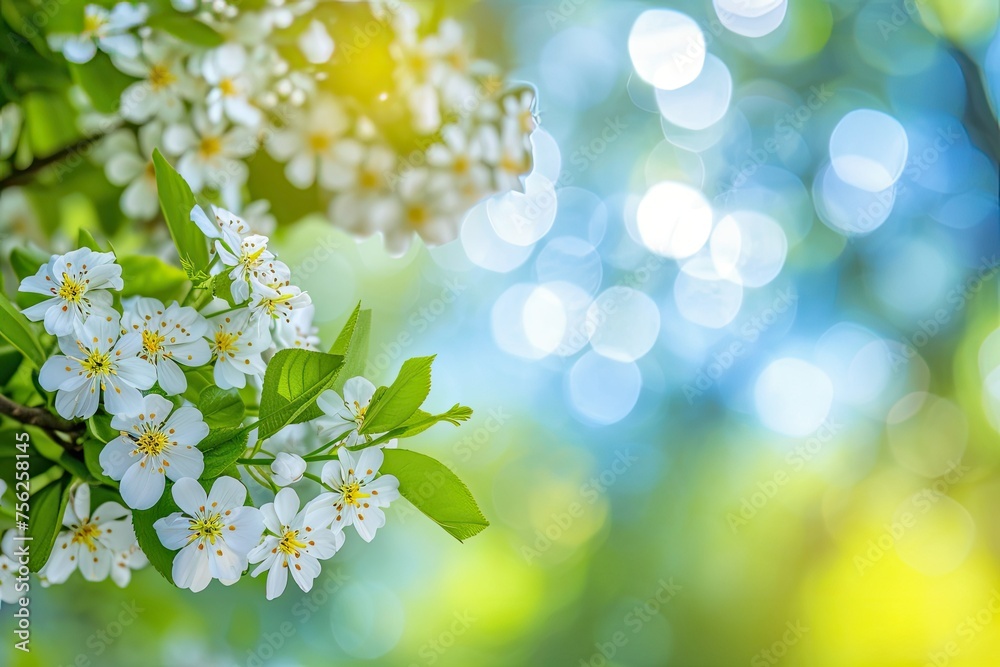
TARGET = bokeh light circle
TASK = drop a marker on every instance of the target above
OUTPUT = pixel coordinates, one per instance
(868, 150)
(667, 48)
(603, 391)
(674, 219)
(701, 103)
(623, 323)
(793, 397)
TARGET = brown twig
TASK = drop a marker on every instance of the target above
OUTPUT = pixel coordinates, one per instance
(39, 417)
(21, 176)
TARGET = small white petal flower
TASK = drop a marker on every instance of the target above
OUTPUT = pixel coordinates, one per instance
(294, 542)
(97, 359)
(162, 84)
(155, 442)
(126, 561)
(312, 143)
(298, 333)
(89, 542)
(78, 284)
(249, 259)
(347, 415)
(232, 86)
(274, 301)
(214, 533)
(8, 568)
(210, 154)
(171, 335)
(287, 468)
(108, 30)
(130, 164)
(236, 346)
(358, 496)
(315, 43)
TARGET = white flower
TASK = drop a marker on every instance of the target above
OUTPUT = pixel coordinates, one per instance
(358, 496)
(313, 141)
(214, 533)
(155, 442)
(171, 335)
(249, 258)
(271, 302)
(78, 284)
(519, 114)
(96, 358)
(8, 568)
(258, 215)
(295, 541)
(514, 160)
(315, 43)
(90, 541)
(130, 164)
(110, 31)
(345, 415)
(218, 223)
(236, 346)
(225, 70)
(210, 154)
(461, 159)
(287, 468)
(126, 561)
(162, 84)
(298, 332)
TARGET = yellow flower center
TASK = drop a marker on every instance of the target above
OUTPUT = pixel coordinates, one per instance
(271, 305)
(250, 258)
(71, 290)
(209, 527)
(352, 494)
(225, 343)
(227, 87)
(461, 165)
(87, 534)
(368, 180)
(97, 363)
(152, 342)
(210, 146)
(512, 164)
(527, 121)
(290, 544)
(92, 23)
(319, 142)
(151, 443)
(417, 215)
(160, 77)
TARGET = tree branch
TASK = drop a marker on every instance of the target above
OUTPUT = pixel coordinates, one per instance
(21, 176)
(39, 417)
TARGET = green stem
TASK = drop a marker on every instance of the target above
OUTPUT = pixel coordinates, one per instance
(315, 479)
(255, 462)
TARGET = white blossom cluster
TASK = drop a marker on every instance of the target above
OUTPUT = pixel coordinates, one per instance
(134, 361)
(211, 108)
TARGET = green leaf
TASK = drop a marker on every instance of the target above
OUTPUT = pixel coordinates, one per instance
(221, 407)
(392, 406)
(26, 262)
(221, 449)
(421, 421)
(176, 202)
(87, 240)
(36, 463)
(161, 558)
(187, 29)
(100, 427)
(221, 287)
(293, 381)
(352, 344)
(92, 457)
(152, 277)
(436, 491)
(17, 330)
(47, 509)
(10, 361)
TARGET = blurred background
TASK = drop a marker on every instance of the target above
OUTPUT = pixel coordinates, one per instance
(736, 382)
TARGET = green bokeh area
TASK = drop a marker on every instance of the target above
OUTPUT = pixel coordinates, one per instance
(686, 533)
